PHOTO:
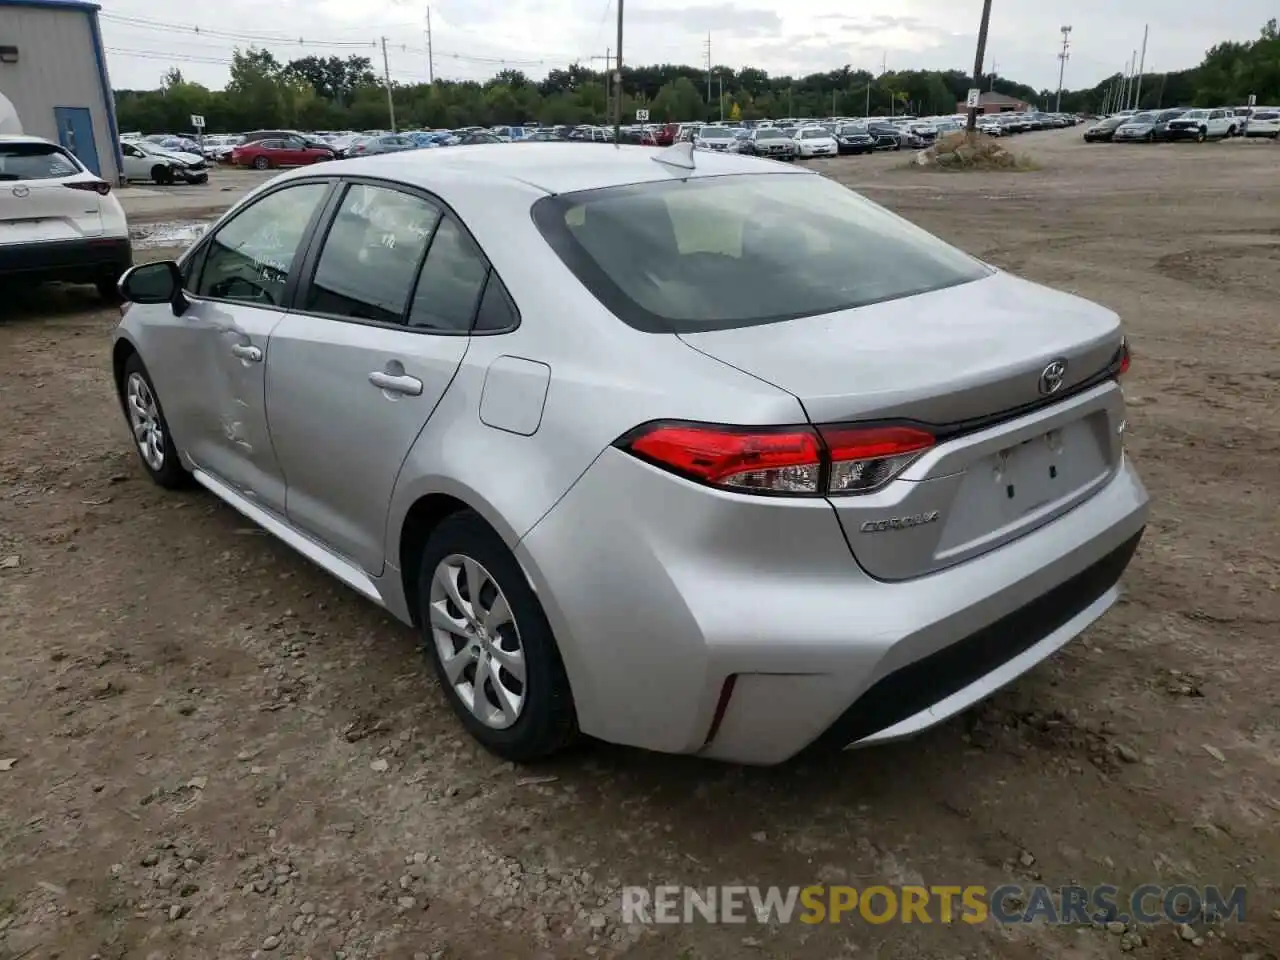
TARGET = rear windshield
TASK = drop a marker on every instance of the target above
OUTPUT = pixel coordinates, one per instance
(718, 252)
(35, 161)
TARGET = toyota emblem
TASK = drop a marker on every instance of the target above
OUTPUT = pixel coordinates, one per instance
(21, 191)
(1052, 377)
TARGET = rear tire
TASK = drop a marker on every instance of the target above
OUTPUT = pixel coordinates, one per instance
(108, 288)
(465, 635)
(261, 163)
(151, 436)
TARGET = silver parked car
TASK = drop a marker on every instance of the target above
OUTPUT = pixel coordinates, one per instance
(689, 451)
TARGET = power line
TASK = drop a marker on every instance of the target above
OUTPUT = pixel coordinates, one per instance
(300, 41)
(145, 23)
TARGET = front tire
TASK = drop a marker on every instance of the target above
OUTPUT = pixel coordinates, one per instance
(488, 639)
(261, 163)
(150, 429)
(162, 175)
(1201, 135)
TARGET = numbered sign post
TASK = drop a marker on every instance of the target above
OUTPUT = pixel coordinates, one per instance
(642, 116)
(974, 99)
(197, 122)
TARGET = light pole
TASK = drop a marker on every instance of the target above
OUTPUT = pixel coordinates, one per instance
(1062, 66)
(617, 85)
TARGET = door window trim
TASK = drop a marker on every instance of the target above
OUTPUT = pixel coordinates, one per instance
(320, 233)
(201, 248)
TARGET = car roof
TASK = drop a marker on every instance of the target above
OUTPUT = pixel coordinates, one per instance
(24, 138)
(551, 167)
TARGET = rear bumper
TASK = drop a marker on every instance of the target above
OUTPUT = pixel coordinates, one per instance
(692, 589)
(69, 260)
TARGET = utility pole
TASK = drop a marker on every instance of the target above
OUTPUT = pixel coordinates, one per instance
(1133, 66)
(617, 85)
(720, 81)
(995, 68)
(977, 62)
(1160, 99)
(1062, 65)
(386, 75)
(431, 60)
(708, 69)
(1124, 88)
(1142, 64)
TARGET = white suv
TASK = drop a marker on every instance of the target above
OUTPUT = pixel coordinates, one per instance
(58, 221)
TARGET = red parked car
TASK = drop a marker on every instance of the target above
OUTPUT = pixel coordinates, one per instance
(267, 154)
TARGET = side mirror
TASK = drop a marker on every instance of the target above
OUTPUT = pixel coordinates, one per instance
(158, 282)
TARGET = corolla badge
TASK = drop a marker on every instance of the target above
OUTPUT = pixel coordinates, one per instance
(900, 523)
(1052, 377)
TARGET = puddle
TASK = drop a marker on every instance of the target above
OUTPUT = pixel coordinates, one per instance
(175, 233)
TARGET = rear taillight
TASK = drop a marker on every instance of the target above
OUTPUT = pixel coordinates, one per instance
(780, 461)
(864, 458)
(100, 187)
(1124, 357)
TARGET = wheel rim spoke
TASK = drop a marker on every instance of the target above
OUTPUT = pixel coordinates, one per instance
(498, 615)
(447, 577)
(511, 661)
(455, 662)
(479, 699)
(475, 581)
(509, 703)
(441, 619)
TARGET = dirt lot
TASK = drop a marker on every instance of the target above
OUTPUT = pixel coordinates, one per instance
(208, 748)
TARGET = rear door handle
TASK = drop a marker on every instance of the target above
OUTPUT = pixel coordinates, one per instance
(247, 351)
(410, 386)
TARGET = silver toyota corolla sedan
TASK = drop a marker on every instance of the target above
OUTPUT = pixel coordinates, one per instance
(696, 452)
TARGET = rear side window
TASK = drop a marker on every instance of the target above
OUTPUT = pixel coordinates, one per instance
(35, 161)
(371, 255)
(1267, 115)
(452, 279)
(497, 311)
(719, 252)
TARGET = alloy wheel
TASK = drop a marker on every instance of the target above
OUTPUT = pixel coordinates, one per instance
(144, 420)
(478, 641)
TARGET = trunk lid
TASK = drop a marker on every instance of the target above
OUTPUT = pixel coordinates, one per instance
(968, 361)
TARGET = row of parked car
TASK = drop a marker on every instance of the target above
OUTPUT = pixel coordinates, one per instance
(1183, 123)
(168, 158)
(840, 136)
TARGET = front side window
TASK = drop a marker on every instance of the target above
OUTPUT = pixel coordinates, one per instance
(371, 255)
(250, 258)
(719, 252)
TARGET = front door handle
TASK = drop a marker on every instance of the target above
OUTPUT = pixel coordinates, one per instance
(410, 386)
(247, 351)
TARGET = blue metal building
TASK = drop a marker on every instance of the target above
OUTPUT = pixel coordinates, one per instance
(53, 69)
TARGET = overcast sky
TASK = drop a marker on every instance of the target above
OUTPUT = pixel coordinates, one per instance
(472, 39)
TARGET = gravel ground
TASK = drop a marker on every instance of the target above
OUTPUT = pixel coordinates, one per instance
(210, 749)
